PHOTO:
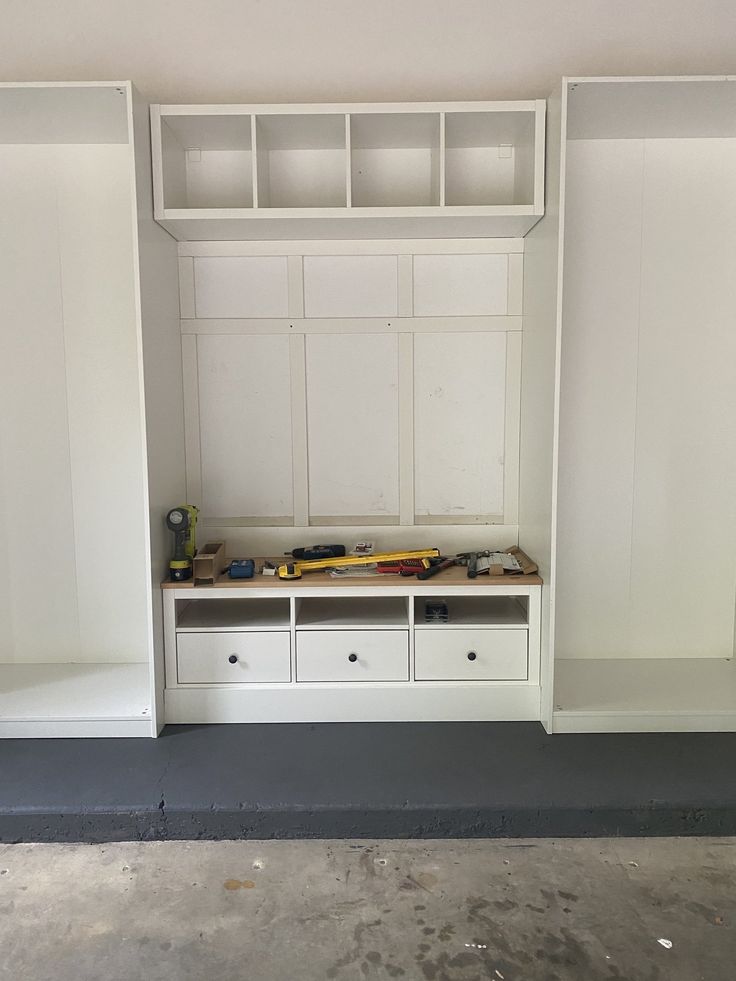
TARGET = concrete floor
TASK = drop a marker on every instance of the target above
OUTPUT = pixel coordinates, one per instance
(505, 910)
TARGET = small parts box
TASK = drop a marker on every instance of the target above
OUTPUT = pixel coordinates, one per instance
(436, 611)
(209, 562)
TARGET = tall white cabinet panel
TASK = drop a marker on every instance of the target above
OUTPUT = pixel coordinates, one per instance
(640, 293)
(80, 530)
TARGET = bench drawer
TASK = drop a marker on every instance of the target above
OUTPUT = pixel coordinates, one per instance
(352, 655)
(233, 657)
(444, 654)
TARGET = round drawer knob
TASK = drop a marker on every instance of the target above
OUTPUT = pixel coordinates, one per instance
(233, 659)
(472, 655)
(352, 658)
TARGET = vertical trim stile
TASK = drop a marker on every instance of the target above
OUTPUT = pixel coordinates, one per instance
(299, 443)
(406, 429)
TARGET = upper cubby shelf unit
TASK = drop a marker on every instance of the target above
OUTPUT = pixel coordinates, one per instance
(383, 170)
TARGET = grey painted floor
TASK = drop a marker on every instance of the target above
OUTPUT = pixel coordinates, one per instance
(533, 910)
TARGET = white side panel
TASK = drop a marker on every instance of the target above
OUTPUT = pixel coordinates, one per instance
(459, 405)
(598, 385)
(353, 425)
(351, 286)
(159, 271)
(460, 286)
(537, 453)
(686, 418)
(241, 286)
(35, 486)
(104, 400)
(245, 421)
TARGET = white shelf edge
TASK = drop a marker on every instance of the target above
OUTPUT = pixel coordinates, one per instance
(641, 721)
(358, 625)
(470, 626)
(428, 211)
(237, 629)
(343, 108)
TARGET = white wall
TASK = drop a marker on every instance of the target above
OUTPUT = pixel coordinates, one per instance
(335, 50)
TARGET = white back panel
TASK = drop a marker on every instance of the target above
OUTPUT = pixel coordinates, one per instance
(459, 407)
(74, 456)
(598, 396)
(245, 424)
(35, 486)
(651, 108)
(241, 286)
(460, 285)
(648, 401)
(353, 424)
(395, 178)
(220, 179)
(303, 178)
(351, 286)
(61, 113)
(104, 400)
(685, 497)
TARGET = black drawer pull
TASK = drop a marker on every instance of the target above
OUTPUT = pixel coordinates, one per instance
(233, 659)
(472, 655)
(352, 658)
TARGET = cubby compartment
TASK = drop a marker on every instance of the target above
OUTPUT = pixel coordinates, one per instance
(301, 161)
(207, 161)
(474, 611)
(232, 614)
(489, 158)
(351, 613)
(395, 160)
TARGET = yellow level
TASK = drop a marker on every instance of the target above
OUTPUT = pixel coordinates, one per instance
(293, 570)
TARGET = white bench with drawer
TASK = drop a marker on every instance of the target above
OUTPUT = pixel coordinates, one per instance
(321, 649)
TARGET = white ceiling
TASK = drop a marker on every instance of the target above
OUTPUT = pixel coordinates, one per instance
(346, 50)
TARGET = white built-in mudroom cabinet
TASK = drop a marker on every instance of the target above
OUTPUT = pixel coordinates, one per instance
(427, 325)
